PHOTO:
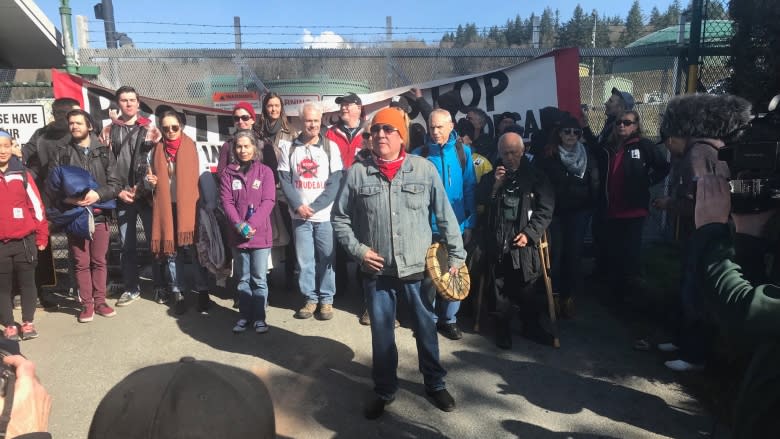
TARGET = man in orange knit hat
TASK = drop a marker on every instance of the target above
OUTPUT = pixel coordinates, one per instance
(382, 219)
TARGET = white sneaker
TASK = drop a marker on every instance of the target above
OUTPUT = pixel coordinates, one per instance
(683, 366)
(240, 325)
(668, 347)
(261, 327)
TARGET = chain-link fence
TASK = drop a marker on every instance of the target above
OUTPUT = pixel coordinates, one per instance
(716, 32)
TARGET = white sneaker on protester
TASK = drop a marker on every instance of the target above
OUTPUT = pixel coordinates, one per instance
(261, 327)
(241, 325)
(668, 347)
(683, 366)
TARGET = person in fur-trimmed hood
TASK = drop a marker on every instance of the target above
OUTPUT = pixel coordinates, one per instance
(695, 127)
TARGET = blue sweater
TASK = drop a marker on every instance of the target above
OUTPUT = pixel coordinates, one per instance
(459, 183)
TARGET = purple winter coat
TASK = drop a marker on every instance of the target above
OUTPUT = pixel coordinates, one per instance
(237, 191)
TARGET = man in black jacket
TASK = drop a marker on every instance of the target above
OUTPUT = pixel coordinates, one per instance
(130, 137)
(521, 204)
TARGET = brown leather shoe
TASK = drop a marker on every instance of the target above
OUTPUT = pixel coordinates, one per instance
(307, 311)
(326, 311)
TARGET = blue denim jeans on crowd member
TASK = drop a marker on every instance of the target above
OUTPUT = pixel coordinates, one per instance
(250, 266)
(567, 236)
(381, 293)
(314, 248)
(444, 311)
(127, 220)
(176, 270)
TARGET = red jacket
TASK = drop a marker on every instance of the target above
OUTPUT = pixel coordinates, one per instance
(348, 148)
(21, 210)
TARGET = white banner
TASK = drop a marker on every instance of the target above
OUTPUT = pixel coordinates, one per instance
(21, 120)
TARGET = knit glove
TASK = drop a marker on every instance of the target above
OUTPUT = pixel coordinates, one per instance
(244, 229)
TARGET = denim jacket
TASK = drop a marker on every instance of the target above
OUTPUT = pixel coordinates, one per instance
(393, 217)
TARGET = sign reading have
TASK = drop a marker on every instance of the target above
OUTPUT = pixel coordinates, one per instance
(21, 120)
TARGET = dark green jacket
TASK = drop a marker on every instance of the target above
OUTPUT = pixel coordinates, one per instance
(754, 312)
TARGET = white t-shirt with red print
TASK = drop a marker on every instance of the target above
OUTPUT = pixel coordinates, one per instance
(308, 167)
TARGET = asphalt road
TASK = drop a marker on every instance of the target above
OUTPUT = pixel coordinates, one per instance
(319, 374)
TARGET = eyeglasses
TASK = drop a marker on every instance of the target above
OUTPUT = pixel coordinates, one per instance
(171, 129)
(625, 122)
(388, 129)
(244, 118)
(570, 131)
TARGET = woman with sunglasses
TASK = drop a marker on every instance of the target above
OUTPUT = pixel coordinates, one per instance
(631, 164)
(573, 172)
(174, 173)
(244, 118)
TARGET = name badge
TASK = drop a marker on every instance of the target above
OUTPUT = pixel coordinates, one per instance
(237, 184)
(18, 213)
(256, 184)
(634, 153)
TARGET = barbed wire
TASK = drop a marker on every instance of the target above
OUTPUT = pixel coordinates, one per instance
(92, 31)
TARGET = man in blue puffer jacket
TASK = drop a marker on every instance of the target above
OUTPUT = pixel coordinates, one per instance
(450, 157)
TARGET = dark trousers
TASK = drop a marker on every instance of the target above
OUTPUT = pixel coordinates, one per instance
(696, 329)
(567, 233)
(623, 239)
(513, 290)
(90, 265)
(17, 259)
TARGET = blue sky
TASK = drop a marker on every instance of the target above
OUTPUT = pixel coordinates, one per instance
(357, 21)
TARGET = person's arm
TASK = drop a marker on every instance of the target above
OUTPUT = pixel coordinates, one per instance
(469, 191)
(543, 210)
(415, 95)
(224, 156)
(228, 202)
(656, 161)
(329, 194)
(30, 156)
(267, 199)
(341, 217)
(112, 187)
(285, 178)
(38, 211)
(446, 221)
(745, 306)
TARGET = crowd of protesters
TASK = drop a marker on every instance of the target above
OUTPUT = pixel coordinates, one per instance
(376, 192)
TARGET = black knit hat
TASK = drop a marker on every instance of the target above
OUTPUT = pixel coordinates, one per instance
(189, 398)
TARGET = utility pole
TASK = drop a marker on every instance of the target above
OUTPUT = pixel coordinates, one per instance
(535, 32)
(105, 11)
(388, 45)
(67, 37)
(82, 31)
(694, 46)
(593, 60)
(237, 31)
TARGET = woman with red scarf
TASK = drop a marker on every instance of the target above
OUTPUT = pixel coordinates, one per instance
(175, 171)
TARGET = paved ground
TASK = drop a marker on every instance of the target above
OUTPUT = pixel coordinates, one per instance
(594, 386)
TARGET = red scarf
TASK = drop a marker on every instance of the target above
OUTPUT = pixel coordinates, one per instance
(389, 168)
(172, 147)
(139, 120)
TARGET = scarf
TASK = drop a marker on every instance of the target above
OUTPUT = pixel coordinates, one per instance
(139, 120)
(172, 147)
(575, 161)
(389, 168)
(164, 241)
(270, 128)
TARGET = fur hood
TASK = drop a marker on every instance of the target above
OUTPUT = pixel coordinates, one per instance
(705, 115)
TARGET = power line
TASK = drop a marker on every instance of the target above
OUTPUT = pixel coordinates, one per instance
(269, 43)
(268, 26)
(382, 34)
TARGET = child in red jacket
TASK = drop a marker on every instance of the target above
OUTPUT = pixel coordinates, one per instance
(23, 231)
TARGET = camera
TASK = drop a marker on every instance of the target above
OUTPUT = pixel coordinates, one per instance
(754, 163)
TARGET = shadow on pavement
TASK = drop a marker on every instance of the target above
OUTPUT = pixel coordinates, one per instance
(564, 392)
(523, 430)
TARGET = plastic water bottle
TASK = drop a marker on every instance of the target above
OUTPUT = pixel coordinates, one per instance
(249, 212)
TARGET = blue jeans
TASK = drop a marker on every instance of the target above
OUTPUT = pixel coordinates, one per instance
(316, 253)
(250, 266)
(381, 294)
(127, 219)
(444, 311)
(176, 268)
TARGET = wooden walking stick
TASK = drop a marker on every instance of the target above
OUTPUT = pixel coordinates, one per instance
(476, 260)
(544, 255)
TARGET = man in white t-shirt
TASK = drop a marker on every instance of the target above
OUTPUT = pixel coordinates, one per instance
(310, 174)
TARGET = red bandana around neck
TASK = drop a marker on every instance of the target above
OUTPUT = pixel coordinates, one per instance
(389, 168)
(171, 147)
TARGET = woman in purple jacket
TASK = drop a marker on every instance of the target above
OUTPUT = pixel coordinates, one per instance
(248, 194)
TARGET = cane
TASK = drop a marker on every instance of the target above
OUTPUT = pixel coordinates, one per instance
(476, 259)
(544, 255)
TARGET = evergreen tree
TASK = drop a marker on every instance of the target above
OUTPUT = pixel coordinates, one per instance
(576, 32)
(547, 29)
(655, 19)
(634, 25)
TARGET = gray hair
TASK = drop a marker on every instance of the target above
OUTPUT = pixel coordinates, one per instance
(705, 115)
(249, 134)
(440, 112)
(479, 112)
(312, 106)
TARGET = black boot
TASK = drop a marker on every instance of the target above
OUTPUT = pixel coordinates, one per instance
(204, 303)
(179, 304)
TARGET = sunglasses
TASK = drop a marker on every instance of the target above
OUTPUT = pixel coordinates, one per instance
(171, 129)
(625, 122)
(388, 129)
(245, 118)
(570, 131)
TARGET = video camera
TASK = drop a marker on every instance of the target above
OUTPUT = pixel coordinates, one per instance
(754, 163)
